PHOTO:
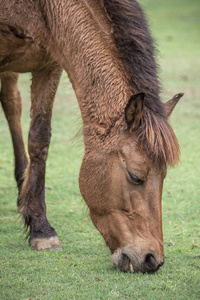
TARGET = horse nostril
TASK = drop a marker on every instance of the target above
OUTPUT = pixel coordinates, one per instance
(150, 263)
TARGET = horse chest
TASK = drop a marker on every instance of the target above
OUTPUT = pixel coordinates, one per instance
(20, 54)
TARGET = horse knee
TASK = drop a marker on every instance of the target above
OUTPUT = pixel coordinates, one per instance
(38, 151)
(39, 139)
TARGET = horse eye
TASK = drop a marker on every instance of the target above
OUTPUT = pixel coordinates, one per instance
(135, 179)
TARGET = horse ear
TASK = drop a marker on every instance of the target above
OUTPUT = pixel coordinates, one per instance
(134, 109)
(169, 105)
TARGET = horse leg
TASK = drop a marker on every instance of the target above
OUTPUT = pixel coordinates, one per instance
(11, 104)
(32, 196)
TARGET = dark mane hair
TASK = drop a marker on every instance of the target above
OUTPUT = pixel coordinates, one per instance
(137, 51)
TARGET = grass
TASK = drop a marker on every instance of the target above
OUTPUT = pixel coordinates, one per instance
(83, 269)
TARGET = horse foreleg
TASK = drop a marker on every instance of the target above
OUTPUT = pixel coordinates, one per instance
(32, 196)
(11, 104)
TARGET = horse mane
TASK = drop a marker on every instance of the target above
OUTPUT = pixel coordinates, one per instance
(137, 52)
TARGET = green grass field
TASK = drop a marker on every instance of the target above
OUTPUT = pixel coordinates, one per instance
(83, 269)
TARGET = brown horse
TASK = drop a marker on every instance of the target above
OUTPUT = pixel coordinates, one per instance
(107, 51)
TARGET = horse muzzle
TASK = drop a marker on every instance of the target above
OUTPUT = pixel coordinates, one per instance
(128, 260)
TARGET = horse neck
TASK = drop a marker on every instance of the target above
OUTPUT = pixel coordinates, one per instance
(83, 34)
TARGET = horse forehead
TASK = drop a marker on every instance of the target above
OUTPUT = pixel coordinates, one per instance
(136, 158)
(132, 153)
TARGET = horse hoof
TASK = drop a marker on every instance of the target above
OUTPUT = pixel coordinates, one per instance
(51, 243)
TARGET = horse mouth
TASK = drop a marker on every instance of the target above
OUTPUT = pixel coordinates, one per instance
(126, 260)
(122, 261)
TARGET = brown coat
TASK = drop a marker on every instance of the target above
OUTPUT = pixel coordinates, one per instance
(108, 53)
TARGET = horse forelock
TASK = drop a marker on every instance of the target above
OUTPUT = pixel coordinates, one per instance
(157, 139)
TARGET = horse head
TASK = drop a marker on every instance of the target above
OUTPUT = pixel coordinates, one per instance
(122, 182)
